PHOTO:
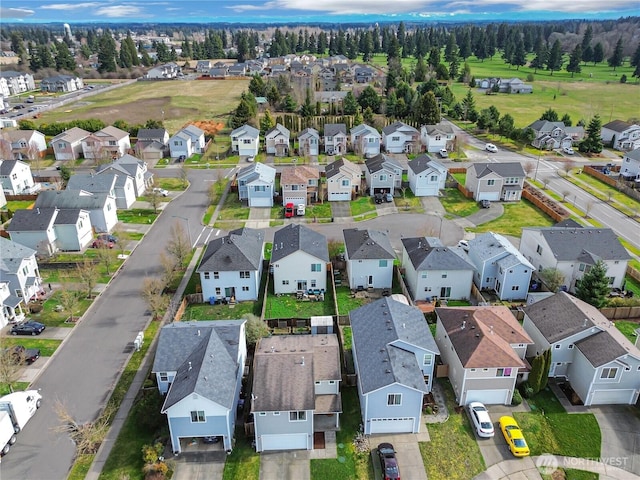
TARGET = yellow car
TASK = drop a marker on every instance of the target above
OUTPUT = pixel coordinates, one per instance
(513, 436)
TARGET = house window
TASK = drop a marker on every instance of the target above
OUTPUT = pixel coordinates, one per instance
(582, 267)
(539, 250)
(245, 275)
(313, 284)
(218, 291)
(609, 373)
(491, 182)
(382, 264)
(383, 177)
(332, 382)
(285, 282)
(611, 280)
(434, 178)
(557, 346)
(197, 416)
(427, 289)
(394, 399)
(444, 275)
(276, 413)
(207, 275)
(424, 275)
(216, 275)
(263, 414)
(164, 377)
(345, 183)
(395, 139)
(246, 141)
(260, 188)
(427, 359)
(515, 288)
(570, 346)
(298, 416)
(245, 288)
(316, 267)
(294, 187)
(318, 382)
(503, 372)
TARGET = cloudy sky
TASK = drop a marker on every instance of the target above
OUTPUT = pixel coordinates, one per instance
(333, 11)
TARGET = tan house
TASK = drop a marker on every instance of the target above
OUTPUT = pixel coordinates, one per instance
(108, 143)
(299, 184)
(343, 180)
(68, 144)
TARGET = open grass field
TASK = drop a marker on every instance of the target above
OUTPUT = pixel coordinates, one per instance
(181, 102)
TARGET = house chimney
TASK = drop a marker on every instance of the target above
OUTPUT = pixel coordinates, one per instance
(198, 332)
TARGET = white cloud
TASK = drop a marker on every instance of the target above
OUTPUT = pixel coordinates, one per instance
(119, 11)
(15, 12)
(70, 6)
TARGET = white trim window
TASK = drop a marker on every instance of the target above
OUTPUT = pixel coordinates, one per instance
(609, 373)
(300, 416)
(394, 399)
(427, 359)
(198, 416)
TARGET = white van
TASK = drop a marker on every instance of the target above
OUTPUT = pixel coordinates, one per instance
(21, 406)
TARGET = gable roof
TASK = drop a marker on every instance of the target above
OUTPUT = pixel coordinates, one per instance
(111, 131)
(309, 132)
(381, 162)
(72, 135)
(34, 220)
(247, 130)
(193, 131)
(333, 129)
(424, 162)
(399, 126)
(428, 256)
(367, 244)
(298, 175)
(7, 166)
(12, 255)
(633, 155)
(295, 237)
(343, 166)
(442, 128)
(504, 170)
(380, 330)
(68, 216)
(280, 129)
(364, 129)
(490, 244)
(15, 136)
(545, 126)
(240, 250)
(258, 171)
(157, 134)
(588, 244)
(482, 336)
(286, 368)
(91, 182)
(619, 125)
(204, 355)
(71, 199)
(601, 348)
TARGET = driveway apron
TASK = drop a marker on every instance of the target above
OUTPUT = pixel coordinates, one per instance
(407, 453)
(207, 466)
(285, 465)
(620, 430)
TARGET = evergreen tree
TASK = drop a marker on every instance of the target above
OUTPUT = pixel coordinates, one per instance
(46, 59)
(34, 58)
(506, 125)
(587, 51)
(587, 54)
(369, 98)
(598, 53)
(420, 72)
(540, 60)
(592, 142)
(367, 115)
(635, 58)
(289, 105)
(547, 366)
(554, 61)
(451, 50)
(107, 53)
(616, 59)
(573, 66)
(469, 107)
(64, 59)
(593, 287)
(257, 86)
(566, 119)
(242, 115)
(454, 67)
(636, 72)
(537, 373)
(350, 104)
(550, 115)
(266, 122)
(427, 110)
(465, 45)
(519, 57)
(357, 118)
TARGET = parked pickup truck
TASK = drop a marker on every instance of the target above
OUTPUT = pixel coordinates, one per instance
(20, 354)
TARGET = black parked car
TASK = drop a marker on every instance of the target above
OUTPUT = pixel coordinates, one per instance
(388, 462)
(28, 328)
(485, 203)
(378, 198)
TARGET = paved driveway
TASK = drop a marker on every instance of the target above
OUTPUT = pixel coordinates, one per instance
(205, 466)
(495, 450)
(620, 428)
(407, 453)
(340, 209)
(284, 466)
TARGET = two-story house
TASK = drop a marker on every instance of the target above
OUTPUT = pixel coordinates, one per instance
(394, 356)
(152, 144)
(549, 135)
(426, 176)
(484, 349)
(296, 390)
(299, 260)
(187, 142)
(231, 266)
(18, 267)
(587, 350)
(14, 83)
(495, 181)
(343, 180)
(10, 306)
(365, 140)
(61, 83)
(400, 138)
(437, 137)
(68, 144)
(199, 368)
(245, 141)
(335, 138)
(309, 143)
(130, 166)
(383, 174)
(256, 184)
(108, 143)
(573, 251)
(16, 178)
(630, 167)
(499, 266)
(299, 184)
(621, 135)
(118, 185)
(101, 206)
(26, 144)
(369, 256)
(433, 270)
(277, 141)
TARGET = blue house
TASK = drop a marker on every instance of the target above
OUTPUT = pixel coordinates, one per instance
(256, 184)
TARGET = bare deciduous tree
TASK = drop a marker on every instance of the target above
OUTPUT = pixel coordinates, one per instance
(178, 246)
(545, 182)
(10, 365)
(169, 267)
(565, 193)
(588, 208)
(106, 256)
(69, 300)
(152, 289)
(88, 274)
(566, 167)
(335, 248)
(184, 175)
(87, 436)
(153, 197)
(528, 168)
(552, 278)
(122, 236)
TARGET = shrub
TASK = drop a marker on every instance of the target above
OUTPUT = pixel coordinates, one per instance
(516, 399)
(526, 390)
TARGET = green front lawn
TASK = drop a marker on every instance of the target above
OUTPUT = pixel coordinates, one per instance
(14, 205)
(233, 209)
(244, 461)
(453, 452)
(137, 215)
(456, 204)
(320, 210)
(628, 329)
(516, 215)
(47, 346)
(362, 205)
(409, 202)
(52, 316)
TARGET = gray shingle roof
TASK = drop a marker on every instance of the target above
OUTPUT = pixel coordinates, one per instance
(332, 129)
(504, 170)
(381, 162)
(12, 255)
(67, 216)
(378, 329)
(425, 256)
(204, 356)
(367, 244)
(570, 244)
(7, 166)
(618, 125)
(150, 134)
(296, 237)
(257, 170)
(35, 220)
(600, 348)
(342, 165)
(490, 245)
(92, 183)
(425, 162)
(238, 251)
(396, 126)
(70, 199)
(439, 128)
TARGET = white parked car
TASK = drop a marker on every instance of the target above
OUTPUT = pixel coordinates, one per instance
(444, 153)
(161, 191)
(568, 150)
(480, 419)
(490, 147)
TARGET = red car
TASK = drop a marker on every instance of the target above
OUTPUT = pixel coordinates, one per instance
(289, 210)
(102, 243)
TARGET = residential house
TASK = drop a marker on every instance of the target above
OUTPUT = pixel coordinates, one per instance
(369, 256)
(110, 142)
(10, 305)
(256, 184)
(188, 141)
(296, 390)
(496, 181)
(504, 85)
(16, 178)
(163, 72)
(335, 138)
(432, 270)
(383, 174)
(18, 267)
(365, 140)
(630, 168)
(364, 74)
(587, 350)
(343, 180)
(245, 141)
(152, 144)
(231, 266)
(426, 176)
(309, 142)
(299, 260)
(484, 351)
(300, 184)
(68, 144)
(394, 356)
(118, 185)
(14, 83)
(203, 66)
(277, 141)
(237, 70)
(621, 135)
(437, 137)
(550, 135)
(199, 368)
(499, 266)
(101, 206)
(26, 144)
(573, 251)
(61, 84)
(130, 166)
(400, 138)
(3, 199)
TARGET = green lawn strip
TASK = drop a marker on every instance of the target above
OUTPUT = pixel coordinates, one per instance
(631, 248)
(14, 205)
(17, 387)
(408, 203)
(81, 467)
(47, 346)
(456, 204)
(346, 303)
(208, 214)
(461, 178)
(277, 212)
(233, 209)
(320, 210)
(171, 183)
(628, 329)
(632, 284)
(516, 215)
(244, 461)
(365, 216)
(606, 189)
(347, 338)
(287, 306)
(51, 317)
(452, 453)
(204, 311)
(362, 205)
(137, 215)
(355, 465)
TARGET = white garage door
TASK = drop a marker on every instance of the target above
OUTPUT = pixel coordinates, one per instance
(293, 441)
(493, 196)
(392, 425)
(260, 202)
(601, 397)
(337, 196)
(294, 200)
(489, 397)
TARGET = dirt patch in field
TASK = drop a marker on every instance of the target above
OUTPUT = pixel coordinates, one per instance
(138, 111)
